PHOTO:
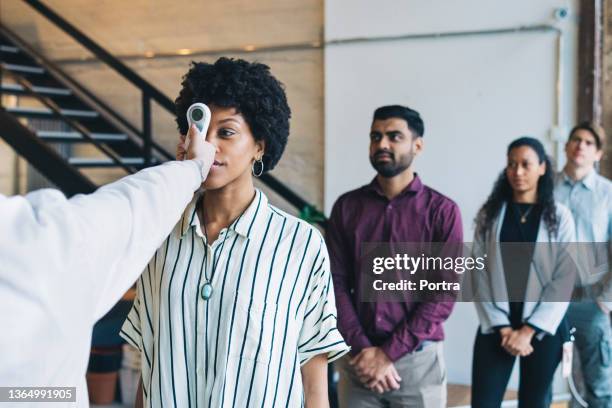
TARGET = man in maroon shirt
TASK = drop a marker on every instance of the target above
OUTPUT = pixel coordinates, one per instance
(396, 346)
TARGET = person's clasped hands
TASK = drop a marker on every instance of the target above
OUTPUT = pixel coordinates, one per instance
(517, 342)
(375, 370)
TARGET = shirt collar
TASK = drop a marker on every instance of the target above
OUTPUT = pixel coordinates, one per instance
(253, 217)
(414, 187)
(190, 216)
(246, 224)
(588, 181)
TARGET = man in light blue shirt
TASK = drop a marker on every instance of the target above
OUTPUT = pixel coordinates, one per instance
(589, 197)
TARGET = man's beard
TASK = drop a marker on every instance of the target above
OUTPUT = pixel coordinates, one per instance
(393, 167)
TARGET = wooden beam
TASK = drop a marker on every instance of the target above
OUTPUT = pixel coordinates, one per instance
(590, 61)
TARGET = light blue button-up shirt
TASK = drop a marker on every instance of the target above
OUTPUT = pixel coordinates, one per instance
(590, 201)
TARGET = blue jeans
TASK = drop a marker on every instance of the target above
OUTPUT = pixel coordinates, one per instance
(594, 345)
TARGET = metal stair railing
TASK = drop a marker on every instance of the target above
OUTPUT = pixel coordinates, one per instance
(46, 160)
(149, 92)
(62, 77)
(49, 103)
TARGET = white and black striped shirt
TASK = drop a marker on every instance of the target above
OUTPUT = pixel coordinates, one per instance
(272, 309)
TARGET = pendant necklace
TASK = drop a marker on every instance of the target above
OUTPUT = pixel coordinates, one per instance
(207, 289)
(523, 217)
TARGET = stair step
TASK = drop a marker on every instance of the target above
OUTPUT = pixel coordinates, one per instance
(43, 90)
(9, 49)
(74, 113)
(57, 136)
(103, 162)
(27, 69)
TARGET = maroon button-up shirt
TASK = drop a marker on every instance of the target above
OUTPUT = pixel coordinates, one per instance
(417, 214)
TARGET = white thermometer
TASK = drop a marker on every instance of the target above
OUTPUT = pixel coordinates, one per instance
(198, 114)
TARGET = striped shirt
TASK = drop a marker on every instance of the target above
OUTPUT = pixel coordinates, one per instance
(272, 309)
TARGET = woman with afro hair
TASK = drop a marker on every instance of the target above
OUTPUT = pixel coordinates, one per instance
(237, 307)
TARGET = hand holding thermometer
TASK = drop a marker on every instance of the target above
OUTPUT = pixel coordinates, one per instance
(198, 114)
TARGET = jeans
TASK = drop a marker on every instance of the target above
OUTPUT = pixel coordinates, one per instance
(593, 341)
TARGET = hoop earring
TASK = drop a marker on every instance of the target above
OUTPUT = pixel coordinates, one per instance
(261, 168)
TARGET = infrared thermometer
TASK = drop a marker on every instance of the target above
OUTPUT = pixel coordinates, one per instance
(198, 114)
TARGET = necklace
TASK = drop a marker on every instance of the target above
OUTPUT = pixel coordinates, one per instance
(207, 289)
(523, 217)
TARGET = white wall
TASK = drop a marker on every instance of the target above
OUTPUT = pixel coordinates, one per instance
(475, 93)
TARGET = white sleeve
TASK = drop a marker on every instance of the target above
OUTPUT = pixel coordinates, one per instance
(319, 333)
(126, 221)
(131, 330)
(92, 248)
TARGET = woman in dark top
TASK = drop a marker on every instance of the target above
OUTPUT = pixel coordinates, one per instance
(517, 315)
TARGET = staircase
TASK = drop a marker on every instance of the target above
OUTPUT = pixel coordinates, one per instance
(61, 128)
(61, 116)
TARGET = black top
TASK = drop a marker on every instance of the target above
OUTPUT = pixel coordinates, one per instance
(518, 234)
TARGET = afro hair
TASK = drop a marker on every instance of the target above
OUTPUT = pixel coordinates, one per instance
(250, 88)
